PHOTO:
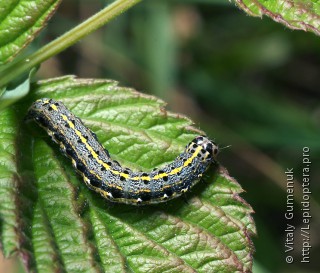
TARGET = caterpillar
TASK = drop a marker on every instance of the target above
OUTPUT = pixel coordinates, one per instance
(106, 176)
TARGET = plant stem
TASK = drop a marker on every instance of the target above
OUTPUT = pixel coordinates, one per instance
(66, 40)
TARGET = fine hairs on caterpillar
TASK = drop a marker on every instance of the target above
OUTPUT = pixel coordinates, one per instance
(106, 176)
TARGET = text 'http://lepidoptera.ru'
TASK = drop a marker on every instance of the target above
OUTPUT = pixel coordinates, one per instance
(106, 176)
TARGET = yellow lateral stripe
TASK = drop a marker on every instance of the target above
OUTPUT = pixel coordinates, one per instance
(96, 175)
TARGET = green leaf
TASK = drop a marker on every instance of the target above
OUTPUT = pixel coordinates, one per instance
(57, 224)
(20, 22)
(9, 96)
(303, 15)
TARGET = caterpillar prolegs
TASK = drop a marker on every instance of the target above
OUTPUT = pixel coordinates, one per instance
(108, 177)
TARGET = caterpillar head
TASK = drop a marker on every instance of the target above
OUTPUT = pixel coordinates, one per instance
(209, 150)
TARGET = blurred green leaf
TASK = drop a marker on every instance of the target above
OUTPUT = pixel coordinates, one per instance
(295, 14)
(57, 224)
(20, 22)
(10, 95)
(249, 113)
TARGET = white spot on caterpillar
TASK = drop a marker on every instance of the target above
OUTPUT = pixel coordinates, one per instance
(74, 163)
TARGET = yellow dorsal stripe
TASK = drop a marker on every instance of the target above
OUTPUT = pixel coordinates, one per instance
(93, 153)
(106, 166)
(147, 178)
(176, 170)
(189, 160)
(55, 108)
